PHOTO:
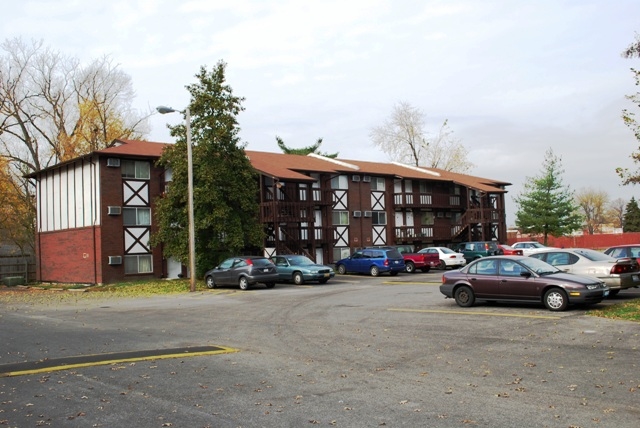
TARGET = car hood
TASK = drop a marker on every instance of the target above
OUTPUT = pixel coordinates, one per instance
(580, 279)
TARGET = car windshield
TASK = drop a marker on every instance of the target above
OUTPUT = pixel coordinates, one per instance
(538, 266)
(300, 260)
(594, 256)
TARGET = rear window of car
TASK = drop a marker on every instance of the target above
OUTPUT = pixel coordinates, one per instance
(261, 262)
(595, 256)
(394, 254)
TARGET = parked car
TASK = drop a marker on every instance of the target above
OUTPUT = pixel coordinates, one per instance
(618, 274)
(530, 247)
(446, 256)
(243, 271)
(476, 249)
(508, 250)
(300, 269)
(414, 261)
(520, 279)
(623, 251)
(373, 261)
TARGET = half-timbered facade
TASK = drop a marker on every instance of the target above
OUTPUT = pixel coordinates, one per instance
(95, 213)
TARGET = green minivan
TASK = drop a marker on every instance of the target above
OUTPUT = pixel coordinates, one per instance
(476, 249)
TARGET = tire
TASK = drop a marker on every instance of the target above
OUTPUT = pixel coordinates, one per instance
(374, 271)
(298, 279)
(393, 273)
(464, 296)
(555, 299)
(211, 283)
(613, 293)
(442, 265)
(270, 284)
(342, 269)
(243, 283)
(410, 267)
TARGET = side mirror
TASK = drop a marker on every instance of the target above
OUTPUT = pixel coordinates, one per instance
(525, 274)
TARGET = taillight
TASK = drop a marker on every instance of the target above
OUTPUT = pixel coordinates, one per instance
(386, 262)
(452, 257)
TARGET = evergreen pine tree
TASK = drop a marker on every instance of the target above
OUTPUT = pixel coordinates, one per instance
(226, 210)
(631, 222)
(546, 206)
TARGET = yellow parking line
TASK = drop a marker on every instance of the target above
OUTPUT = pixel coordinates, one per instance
(411, 283)
(114, 358)
(493, 314)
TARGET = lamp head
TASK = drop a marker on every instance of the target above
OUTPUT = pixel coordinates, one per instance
(165, 110)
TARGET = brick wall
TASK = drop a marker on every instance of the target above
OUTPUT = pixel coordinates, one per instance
(68, 256)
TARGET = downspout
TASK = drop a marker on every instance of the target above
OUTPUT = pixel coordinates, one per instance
(93, 225)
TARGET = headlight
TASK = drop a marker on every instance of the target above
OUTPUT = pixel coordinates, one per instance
(595, 286)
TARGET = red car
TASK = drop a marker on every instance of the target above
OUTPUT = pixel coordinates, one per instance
(509, 251)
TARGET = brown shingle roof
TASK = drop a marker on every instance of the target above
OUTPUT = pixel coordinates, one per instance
(297, 167)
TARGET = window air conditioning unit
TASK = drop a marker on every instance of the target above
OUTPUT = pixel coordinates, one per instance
(357, 213)
(114, 210)
(115, 260)
(367, 213)
(113, 162)
(355, 178)
(366, 178)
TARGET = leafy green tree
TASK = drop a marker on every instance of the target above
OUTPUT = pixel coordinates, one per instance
(631, 222)
(304, 150)
(546, 207)
(226, 210)
(629, 117)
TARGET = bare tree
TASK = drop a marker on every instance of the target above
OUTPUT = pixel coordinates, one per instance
(593, 204)
(52, 108)
(403, 137)
(615, 212)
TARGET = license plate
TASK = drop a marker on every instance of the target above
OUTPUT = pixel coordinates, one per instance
(266, 269)
(606, 293)
(634, 278)
(327, 274)
(396, 262)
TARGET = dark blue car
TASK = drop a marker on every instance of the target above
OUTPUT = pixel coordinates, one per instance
(373, 262)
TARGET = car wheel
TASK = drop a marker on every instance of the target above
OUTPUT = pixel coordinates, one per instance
(243, 283)
(442, 265)
(410, 267)
(555, 299)
(298, 279)
(211, 283)
(342, 269)
(270, 284)
(464, 296)
(613, 292)
(374, 271)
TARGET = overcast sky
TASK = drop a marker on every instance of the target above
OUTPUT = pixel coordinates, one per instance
(513, 78)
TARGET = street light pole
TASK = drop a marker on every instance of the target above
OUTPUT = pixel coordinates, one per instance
(192, 238)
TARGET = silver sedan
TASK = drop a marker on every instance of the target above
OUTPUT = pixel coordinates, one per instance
(618, 274)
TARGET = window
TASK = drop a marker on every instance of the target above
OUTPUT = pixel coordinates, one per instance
(379, 217)
(138, 264)
(425, 187)
(340, 182)
(377, 183)
(509, 268)
(341, 253)
(427, 218)
(484, 267)
(136, 169)
(340, 218)
(136, 216)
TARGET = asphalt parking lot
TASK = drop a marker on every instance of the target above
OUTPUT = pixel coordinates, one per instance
(355, 352)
